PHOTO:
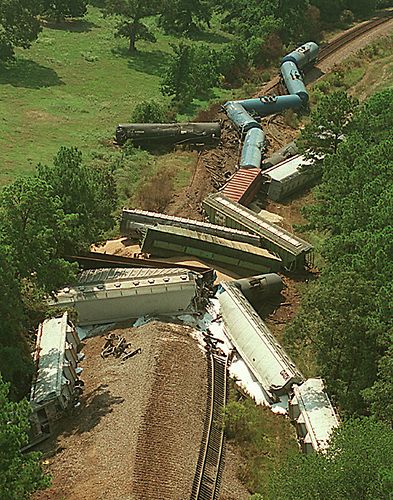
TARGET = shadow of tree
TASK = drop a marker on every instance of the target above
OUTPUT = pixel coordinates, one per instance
(208, 37)
(29, 74)
(76, 25)
(152, 63)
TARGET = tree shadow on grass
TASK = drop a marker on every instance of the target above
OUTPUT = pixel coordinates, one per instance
(152, 63)
(208, 37)
(75, 25)
(28, 74)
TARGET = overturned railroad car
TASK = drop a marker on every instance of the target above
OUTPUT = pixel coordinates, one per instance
(242, 120)
(270, 104)
(242, 258)
(244, 185)
(256, 288)
(313, 415)
(133, 222)
(265, 357)
(168, 133)
(289, 176)
(303, 55)
(282, 154)
(253, 148)
(293, 80)
(294, 252)
(107, 296)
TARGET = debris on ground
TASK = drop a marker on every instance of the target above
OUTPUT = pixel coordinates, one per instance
(117, 346)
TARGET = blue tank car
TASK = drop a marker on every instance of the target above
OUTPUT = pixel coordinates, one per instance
(268, 105)
(242, 120)
(304, 55)
(253, 146)
(293, 80)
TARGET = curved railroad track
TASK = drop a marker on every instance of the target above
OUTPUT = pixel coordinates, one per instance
(274, 85)
(207, 480)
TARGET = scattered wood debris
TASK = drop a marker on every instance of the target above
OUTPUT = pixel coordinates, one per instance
(116, 345)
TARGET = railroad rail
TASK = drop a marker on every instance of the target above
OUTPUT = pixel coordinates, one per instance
(207, 480)
(350, 35)
(274, 85)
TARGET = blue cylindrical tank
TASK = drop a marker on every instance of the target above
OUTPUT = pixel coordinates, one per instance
(303, 55)
(267, 105)
(239, 117)
(253, 146)
(293, 80)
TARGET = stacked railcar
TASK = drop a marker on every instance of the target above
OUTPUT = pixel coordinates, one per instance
(243, 258)
(257, 346)
(242, 120)
(294, 252)
(134, 221)
(270, 104)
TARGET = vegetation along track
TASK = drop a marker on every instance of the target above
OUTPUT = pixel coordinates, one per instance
(207, 480)
(273, 86)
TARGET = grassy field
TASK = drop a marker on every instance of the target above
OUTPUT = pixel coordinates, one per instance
(72, 87)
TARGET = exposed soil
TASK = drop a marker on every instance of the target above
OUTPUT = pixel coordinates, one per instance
(138, 430)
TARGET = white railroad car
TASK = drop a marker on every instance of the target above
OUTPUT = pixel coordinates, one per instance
(256, 345)
(56, 358)
(313, 414)
(119, 295)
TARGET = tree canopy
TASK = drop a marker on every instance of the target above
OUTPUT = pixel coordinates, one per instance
(358, 464)
(130, 14)
(20, 473)
(19, 26)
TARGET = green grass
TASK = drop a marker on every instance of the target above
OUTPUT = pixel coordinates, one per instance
(72, 87)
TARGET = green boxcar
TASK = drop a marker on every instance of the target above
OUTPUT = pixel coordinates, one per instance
(244, 259)
(294, 252)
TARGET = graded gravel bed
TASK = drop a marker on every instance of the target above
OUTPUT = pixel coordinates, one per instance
(138, 430)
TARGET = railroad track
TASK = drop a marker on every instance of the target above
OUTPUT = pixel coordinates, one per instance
(330, 48)
(207, 480)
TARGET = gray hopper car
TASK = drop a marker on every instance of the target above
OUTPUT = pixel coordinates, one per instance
(135, 221)
(169, 133)
(294, 252)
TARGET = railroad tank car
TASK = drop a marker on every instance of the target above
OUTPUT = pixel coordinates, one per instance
(244, 185)
(265, 357)
(303, 55)
(268, 105)
(242, 258)
(294, 252)
(282, 154)
(133, 221)
(256, 288)
(169, 133)
(293, 80)
(253, 147)
(242, 120)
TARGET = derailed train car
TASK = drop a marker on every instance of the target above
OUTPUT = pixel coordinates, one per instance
(294, 252)
(169, 133)
(242, 258)
(110, 295)
(257, 346)
(134, 221)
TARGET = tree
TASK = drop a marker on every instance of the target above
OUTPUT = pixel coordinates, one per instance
(87, 196)
(36, 228)
(19, 26)
(358, 464)
(192, 72)
(184, 16)
(20, 474)
(60, 9)
(131, 13)
(328, 125)
(150, 112)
